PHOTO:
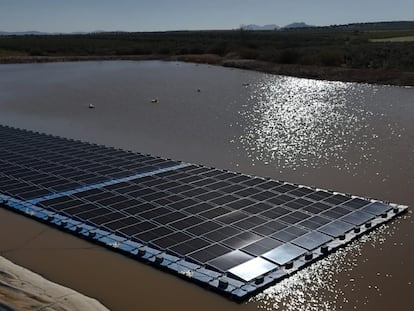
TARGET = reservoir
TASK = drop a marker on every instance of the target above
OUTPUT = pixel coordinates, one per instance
(353, 138)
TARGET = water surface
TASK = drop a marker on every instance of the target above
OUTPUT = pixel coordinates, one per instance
(349, 137)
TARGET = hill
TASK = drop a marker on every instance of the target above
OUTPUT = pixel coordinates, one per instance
(297, 25)
(257, 27)
(365, 46)
(22, 33)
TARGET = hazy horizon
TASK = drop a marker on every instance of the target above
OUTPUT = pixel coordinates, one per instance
(167, 30)
(162, 15)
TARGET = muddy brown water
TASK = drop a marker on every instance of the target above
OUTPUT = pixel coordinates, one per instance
(353, 138)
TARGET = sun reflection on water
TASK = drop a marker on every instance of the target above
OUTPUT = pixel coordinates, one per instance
(300, 122)
(318, 287)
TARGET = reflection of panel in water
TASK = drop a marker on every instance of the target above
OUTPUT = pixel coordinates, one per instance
(231, 232)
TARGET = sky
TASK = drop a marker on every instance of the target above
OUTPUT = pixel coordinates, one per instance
(156, 15)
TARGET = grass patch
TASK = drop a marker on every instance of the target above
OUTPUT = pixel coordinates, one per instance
(395, 39)
(5, 52)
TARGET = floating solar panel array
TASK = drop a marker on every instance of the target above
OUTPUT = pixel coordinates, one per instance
(232, 233)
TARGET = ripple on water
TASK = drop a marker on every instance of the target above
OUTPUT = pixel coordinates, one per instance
(317, 287)
(293, 122)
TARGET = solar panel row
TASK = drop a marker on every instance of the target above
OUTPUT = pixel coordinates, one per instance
(33, 165)
(214, 222)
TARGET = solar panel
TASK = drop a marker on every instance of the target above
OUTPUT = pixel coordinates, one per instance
(230, 232)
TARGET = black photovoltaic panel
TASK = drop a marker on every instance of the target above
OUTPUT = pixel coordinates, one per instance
(221, 222)
(34, 165)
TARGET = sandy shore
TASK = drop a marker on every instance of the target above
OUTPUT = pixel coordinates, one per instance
(372, 76)
(21, 289)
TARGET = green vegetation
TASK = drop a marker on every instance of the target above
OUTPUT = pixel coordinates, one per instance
(361, 46)
(4, 52)
(395, 39)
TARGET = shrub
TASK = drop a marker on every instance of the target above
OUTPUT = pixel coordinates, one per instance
(331, 58)
(289, 56)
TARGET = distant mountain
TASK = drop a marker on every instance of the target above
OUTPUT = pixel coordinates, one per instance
(22, 33)
(257, 27)
(395, 25)
(275, 27)
(297, 25)
(39, 33)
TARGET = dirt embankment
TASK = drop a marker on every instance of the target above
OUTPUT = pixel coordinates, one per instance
(21, 290)
(372, 76)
